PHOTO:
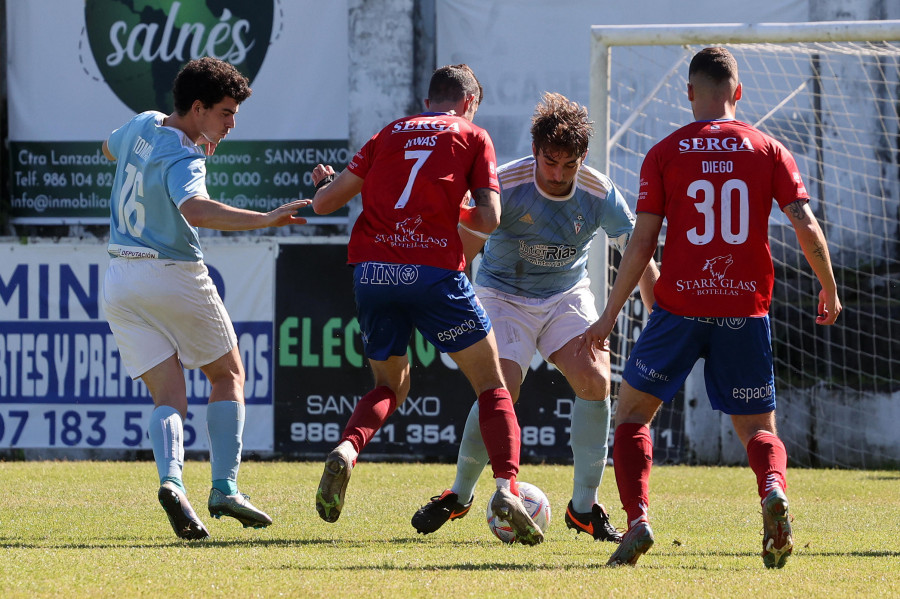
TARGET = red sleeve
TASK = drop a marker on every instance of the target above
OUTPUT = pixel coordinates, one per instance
(787, 185)
(484, 170)
(652, 193)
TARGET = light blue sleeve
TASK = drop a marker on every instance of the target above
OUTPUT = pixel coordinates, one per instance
(617, 219)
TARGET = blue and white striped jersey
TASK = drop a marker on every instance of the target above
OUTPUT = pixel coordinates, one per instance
(541, 246)
(157, 169)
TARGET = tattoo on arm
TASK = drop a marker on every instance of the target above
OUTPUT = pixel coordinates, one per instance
(796, 209)
(820, 252)
(482, 196)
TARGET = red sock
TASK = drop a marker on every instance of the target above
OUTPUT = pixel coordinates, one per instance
(500, 431)
(368, 417)
(632, 460)
(768, 460)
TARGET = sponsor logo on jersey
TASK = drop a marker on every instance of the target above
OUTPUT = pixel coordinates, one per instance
(405, 235)
(425, 124)
(715, 144)
(527, 219)
(547, 254)
(718, 265)
(716, 283)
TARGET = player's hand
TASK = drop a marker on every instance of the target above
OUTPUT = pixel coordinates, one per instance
(829, 308)
(595, 340)
(285, 214)
(320, 172)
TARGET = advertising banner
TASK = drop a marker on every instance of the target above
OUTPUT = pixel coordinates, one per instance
(61, 381)
(321, 373)
(75, 77)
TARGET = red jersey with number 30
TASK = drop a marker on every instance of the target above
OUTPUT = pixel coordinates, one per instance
(416, 172)
(714, 182)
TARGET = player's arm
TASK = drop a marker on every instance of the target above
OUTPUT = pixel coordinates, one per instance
(815, 248)
(646, 284)
(334, 194)
(648, 279)
(210, 214)
(484, 217)
(107, 152)
(635, 263)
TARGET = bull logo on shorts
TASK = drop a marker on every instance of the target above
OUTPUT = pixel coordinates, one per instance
(718, 266)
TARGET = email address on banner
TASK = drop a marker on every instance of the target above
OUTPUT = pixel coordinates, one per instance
(42, 202)
(262, 203)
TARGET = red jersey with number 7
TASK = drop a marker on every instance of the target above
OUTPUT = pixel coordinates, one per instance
(416, 172)
(714, 182)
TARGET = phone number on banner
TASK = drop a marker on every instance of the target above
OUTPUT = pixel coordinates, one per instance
(85, 426)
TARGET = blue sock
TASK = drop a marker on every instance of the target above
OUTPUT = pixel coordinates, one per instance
(472, 459)
(589, 434)
(167, 437)
(225, 428)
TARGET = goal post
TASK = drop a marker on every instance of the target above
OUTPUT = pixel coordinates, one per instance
(829, 92)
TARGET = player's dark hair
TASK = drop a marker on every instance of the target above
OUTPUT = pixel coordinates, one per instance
(561, 124)
(715, 63)
(209, 80)
(452, 83)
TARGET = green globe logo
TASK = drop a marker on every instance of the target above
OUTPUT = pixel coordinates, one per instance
(140, 45)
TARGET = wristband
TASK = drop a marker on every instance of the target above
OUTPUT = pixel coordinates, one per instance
(325, 181)
(477, 234)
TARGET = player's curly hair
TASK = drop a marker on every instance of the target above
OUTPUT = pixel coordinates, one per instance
(209, 80)
(559, 124)
(454, 82)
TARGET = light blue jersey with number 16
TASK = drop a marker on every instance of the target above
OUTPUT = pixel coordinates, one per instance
(157, 169)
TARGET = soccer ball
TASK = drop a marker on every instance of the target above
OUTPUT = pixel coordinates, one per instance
(536, 504)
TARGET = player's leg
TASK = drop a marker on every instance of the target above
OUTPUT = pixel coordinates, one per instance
(369, 415)
(165, 381)
(225, 416)
(516, 327)
(588, 374)
(741, 382)
(473, 456)
(659, 363)
(632, 460)
(455, 502)
(500, 432)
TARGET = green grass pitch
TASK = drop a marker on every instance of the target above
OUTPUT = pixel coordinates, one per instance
(95, 529)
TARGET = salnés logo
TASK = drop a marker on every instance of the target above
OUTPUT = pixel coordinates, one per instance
(140, 45)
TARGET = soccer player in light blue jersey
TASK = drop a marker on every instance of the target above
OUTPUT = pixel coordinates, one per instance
(534, 285)
(161, 304)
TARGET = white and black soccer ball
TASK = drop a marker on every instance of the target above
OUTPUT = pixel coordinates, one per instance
(536, 504)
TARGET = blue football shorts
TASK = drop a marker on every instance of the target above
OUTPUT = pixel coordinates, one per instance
(738, 352)
(394, 299)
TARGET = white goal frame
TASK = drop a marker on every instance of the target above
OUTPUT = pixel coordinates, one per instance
(603, 39)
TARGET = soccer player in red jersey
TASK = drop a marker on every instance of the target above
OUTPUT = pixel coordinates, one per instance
(713, 181)
(408, 274)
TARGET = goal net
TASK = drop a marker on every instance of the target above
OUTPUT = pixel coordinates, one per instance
(829, 92)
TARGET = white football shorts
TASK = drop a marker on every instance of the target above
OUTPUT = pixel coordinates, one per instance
(524, 324)
(157, 308)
